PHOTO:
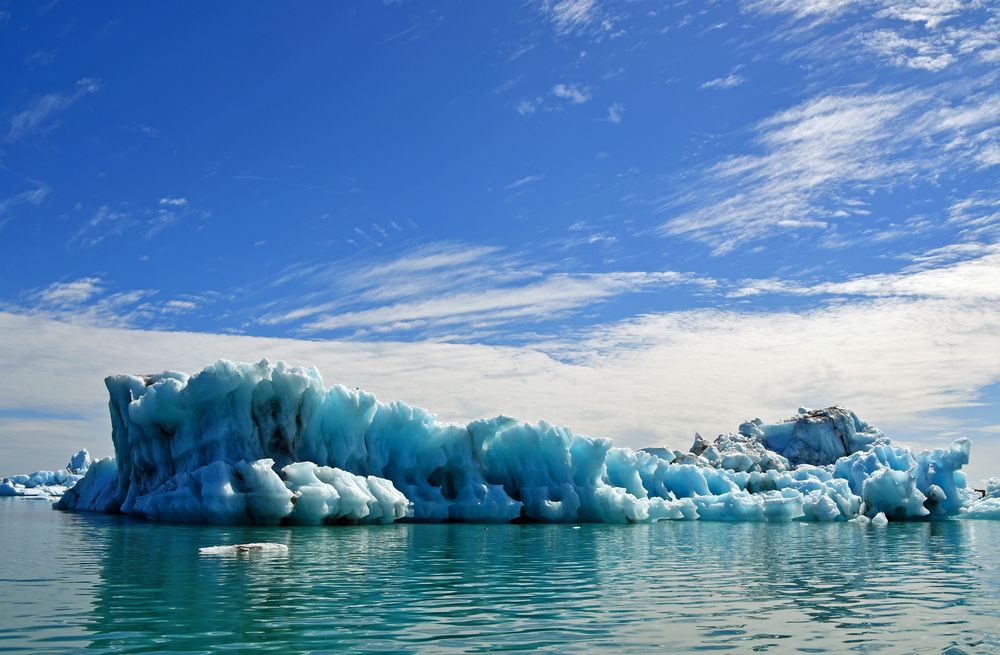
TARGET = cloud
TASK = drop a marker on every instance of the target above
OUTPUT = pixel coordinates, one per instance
(976, 38)
(30, 197)
(977, 216)
(910, 53)
(546, 299)
(528, 106)
(527, 179)
(62, 294)
(964, 271)
(615, 113)
(929, 12)
(93, 301)
(813, 11)
(569, 16)
(40, 115)
(108, 221)
(571, 93)
(726, 82)
(446, 286)
(180, 305)
(40, 58)
(929, 35)
(817, 158)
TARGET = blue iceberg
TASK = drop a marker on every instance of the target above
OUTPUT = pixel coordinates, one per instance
(268, 443)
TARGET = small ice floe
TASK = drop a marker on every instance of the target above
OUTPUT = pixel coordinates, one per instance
(861, 518)
(244, 549)
(880, 519)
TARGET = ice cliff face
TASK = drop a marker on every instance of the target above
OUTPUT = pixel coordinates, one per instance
(268, 443)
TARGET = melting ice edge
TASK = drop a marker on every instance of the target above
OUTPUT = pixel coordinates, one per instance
(267, 443)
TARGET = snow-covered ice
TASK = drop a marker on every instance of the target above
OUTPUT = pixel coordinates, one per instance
(47, 484)
(268, 443)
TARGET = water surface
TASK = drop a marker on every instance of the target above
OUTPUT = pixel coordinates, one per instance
(106, 584)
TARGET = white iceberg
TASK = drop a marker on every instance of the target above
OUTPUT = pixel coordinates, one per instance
(47, 484)
(268, 443)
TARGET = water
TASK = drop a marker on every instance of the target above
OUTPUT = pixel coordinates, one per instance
(105, 584)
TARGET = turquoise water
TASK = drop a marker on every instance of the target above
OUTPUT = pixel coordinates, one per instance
(104, 584)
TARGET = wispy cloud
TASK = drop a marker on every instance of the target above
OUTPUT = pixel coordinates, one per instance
(110, 221)
(444, 286)
(910, 53)
(528, 106)
(572, 93)
(104, 223)
(42, 113)
(520, 182)
(965, 271)
(615, 113)
(930, 35)
(569, 16)
(818, 157)
(533, 302)
(929, 12)
(727, 82)
(70, 293)
(415, 32)
(92, 300)
(977, 217)
(30, 197)
(40, 58)
(812, 10)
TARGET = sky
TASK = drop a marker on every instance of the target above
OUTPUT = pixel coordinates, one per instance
(637, 219)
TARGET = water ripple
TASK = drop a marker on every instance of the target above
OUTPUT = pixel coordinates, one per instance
(105, 584)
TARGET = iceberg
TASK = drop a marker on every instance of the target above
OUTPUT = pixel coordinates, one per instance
(268, 443)
(47, 484)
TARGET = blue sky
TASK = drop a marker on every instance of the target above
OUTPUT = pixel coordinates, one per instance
(720, 209)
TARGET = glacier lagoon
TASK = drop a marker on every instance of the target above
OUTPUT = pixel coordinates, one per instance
(817, 533)
(100, 583)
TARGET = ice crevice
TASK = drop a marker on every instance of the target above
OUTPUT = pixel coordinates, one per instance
(268, 443)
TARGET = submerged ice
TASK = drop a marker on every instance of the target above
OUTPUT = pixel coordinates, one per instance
(268, 443)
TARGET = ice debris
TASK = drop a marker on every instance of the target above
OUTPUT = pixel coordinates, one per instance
(268, 443)
(47, 484)
(244, 549)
